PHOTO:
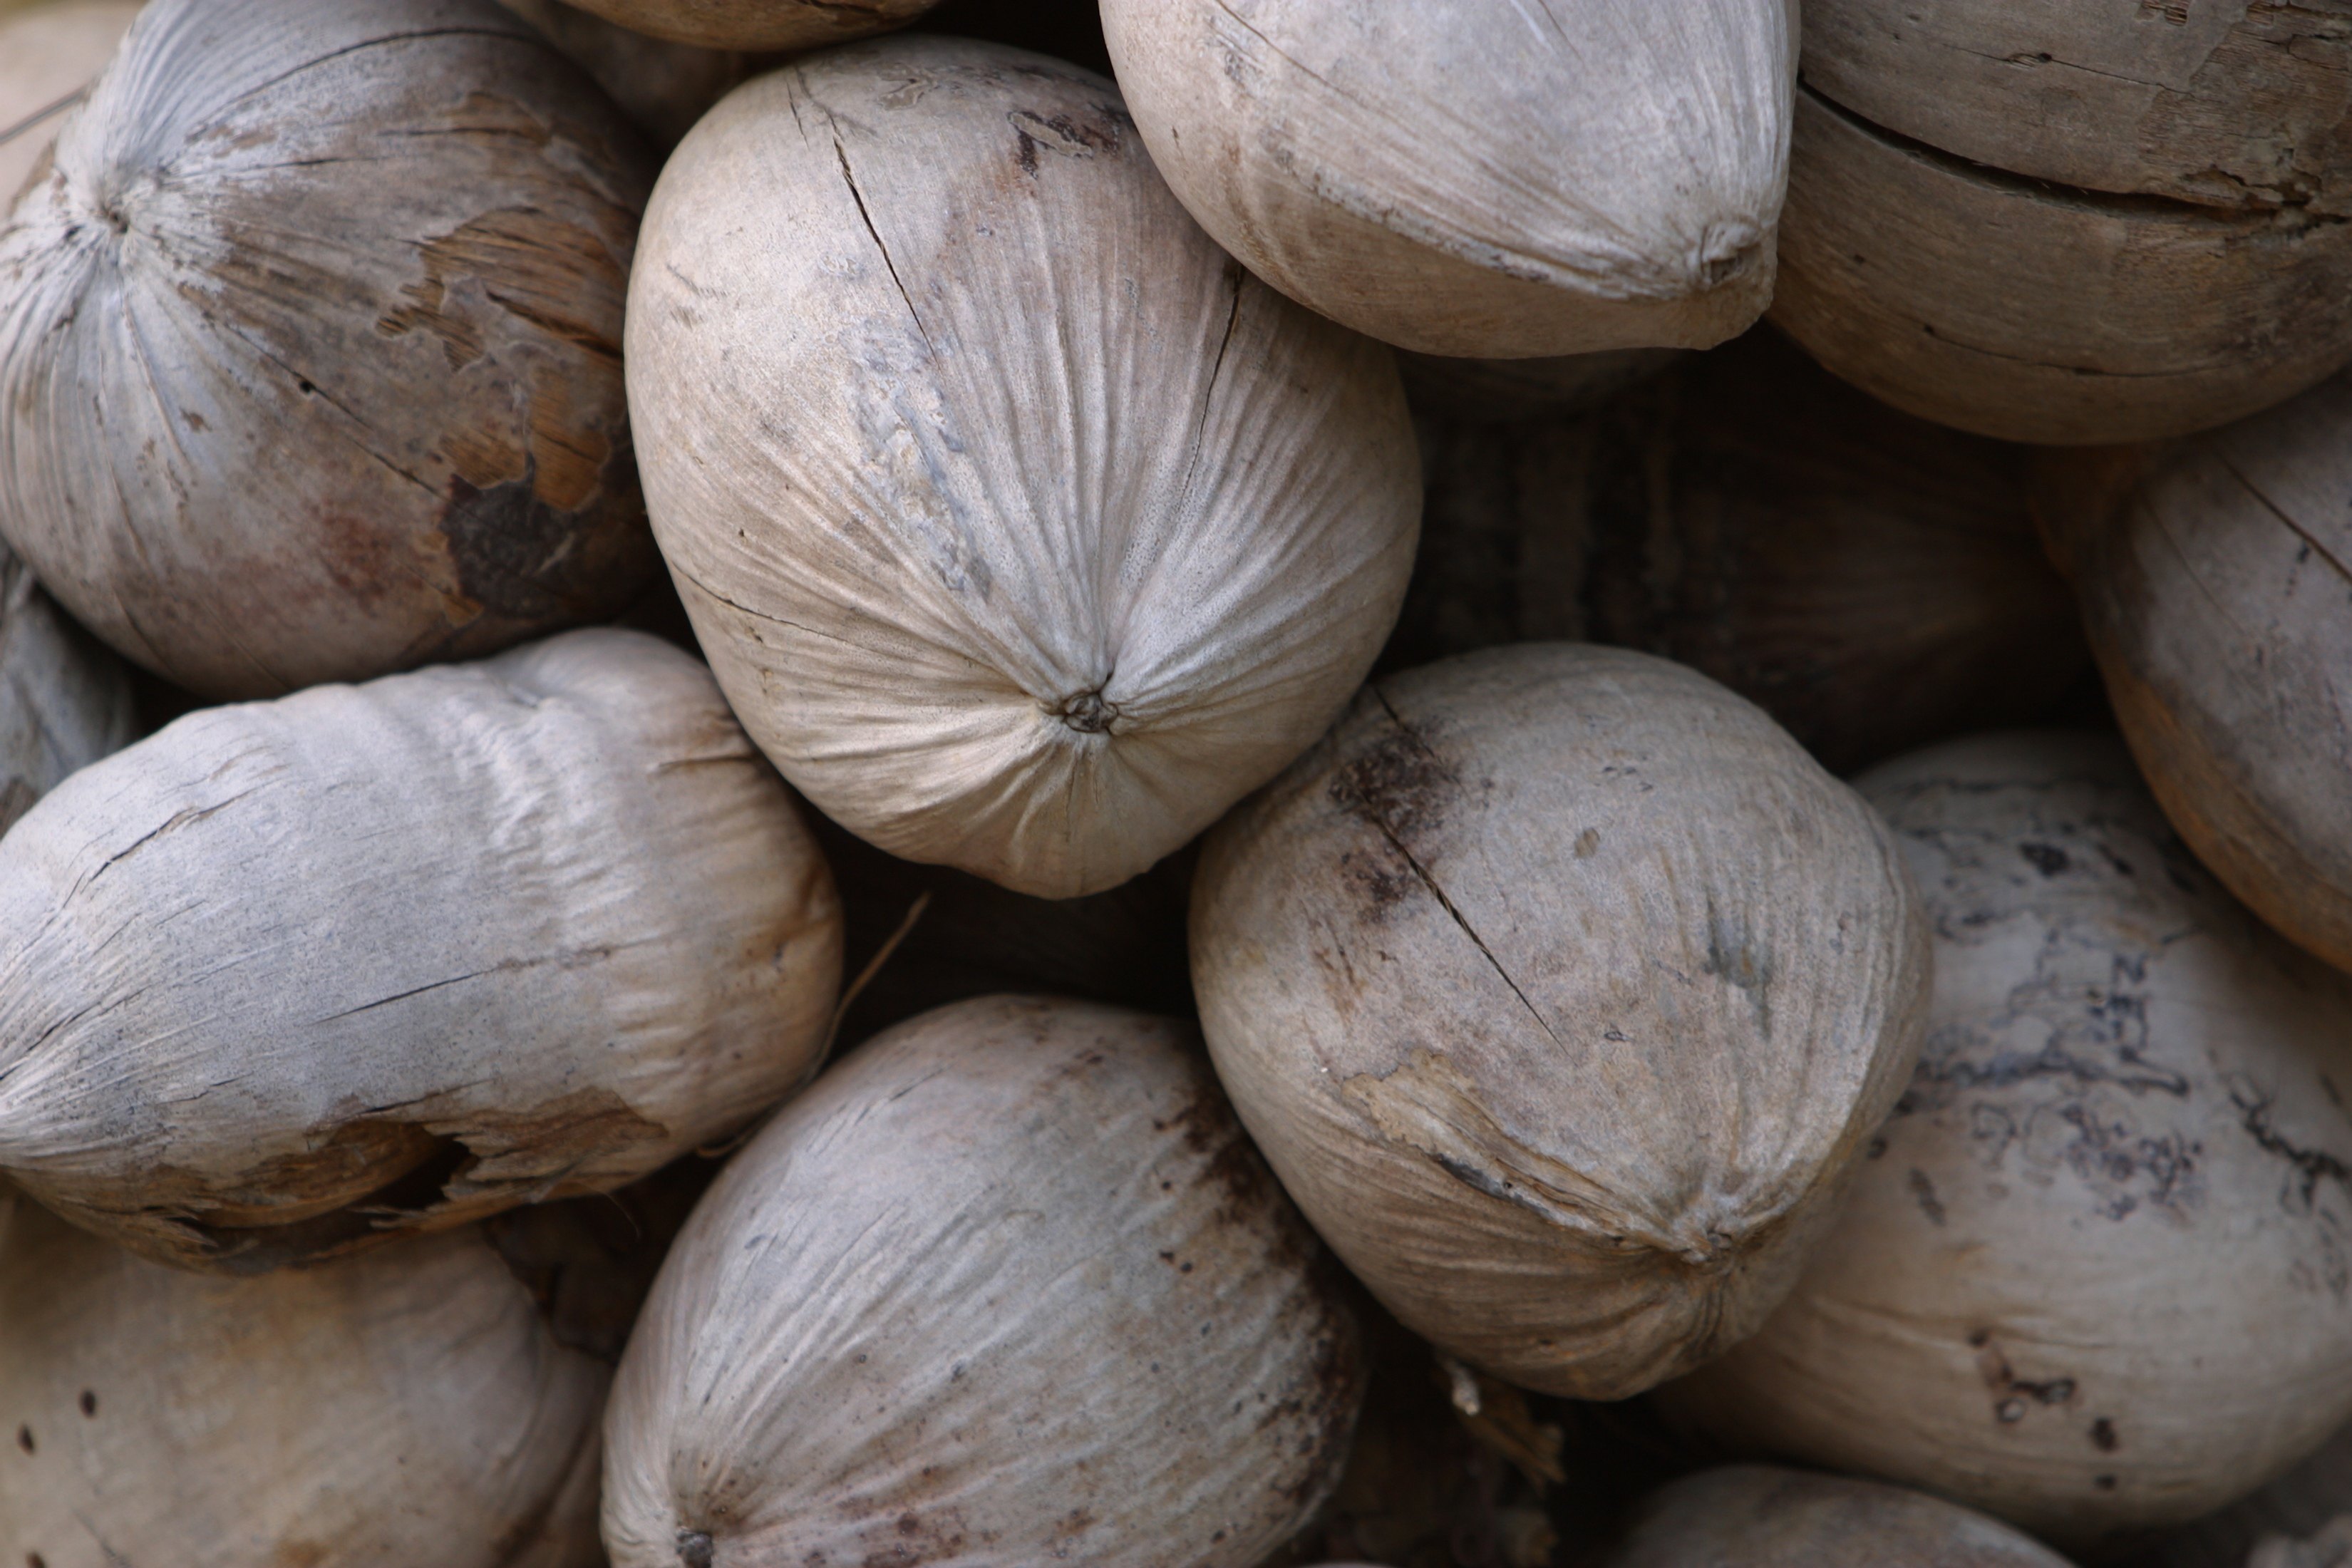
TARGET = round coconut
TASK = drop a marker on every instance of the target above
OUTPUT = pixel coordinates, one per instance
(1479, 177)
(1008, 1285)
(48, 53)
(758, 24)
(2126, 1079)
(1023, 529)
(2215, 591)
(1759, 1516)
(409, 1406)
(1978, 298)
(292, 978)
(310, 344)
(666, 87)
(1869, 579)
(65, 701)
(1563, 989)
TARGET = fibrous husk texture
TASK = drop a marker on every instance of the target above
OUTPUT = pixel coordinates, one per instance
(48, 53)
(409, 1406)
(1023, 529)
(1563, 991)
(292, 977)
(1869, 579)
(1760, 1517)
(2217, 592)
(1490, 177)
(65, 701)
(310, 342)
(1007, 1286)
(2126, 1079)
(760, 23)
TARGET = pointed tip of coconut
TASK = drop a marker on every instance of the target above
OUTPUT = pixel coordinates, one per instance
(694, 1548)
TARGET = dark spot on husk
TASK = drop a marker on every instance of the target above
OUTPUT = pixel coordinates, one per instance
(694, 1549)
(519, 556)
(1923, 1191)
(2046, 858)
(25, 1439)
(2103, 1435)
(1398, 784)
(89, 1403)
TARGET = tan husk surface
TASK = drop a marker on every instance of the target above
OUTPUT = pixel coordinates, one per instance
(2214, 591)
(48, 52)
(65, 701)
(293, 977)
(310, 344)
(1006, 1285)
(1562, 990)
(403, 1408)
(1479, 177)
(758, 24)
(2094, 1275)
(1760, 1517)
(1023, 529)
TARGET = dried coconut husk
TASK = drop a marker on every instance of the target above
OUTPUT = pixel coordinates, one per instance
(2000, 304)
(295, 977)
(65, 701)
(1760, 1517)
(310, 344)
(1869, 579)
(406, 1408)
(1563, 991)
(2094, 1277)
(758, 24)
(48, 53)
(2214, 578)
(666, 87)
(2299, 1505)
(1025, 532)
(1470, 176)
(1007, 1285)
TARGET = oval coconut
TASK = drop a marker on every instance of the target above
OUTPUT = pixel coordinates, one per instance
(48, 54)
(2014, 309)
(2126, 1079)
(2215, 591)
(666, 87)
(758, 24)
(1759, 1516)
(1562, 990)
(1475, 176)
(65, 701)
(300, 975)
(310, 342)
(1032, 591)
(410, 1406)
(1008, 1285)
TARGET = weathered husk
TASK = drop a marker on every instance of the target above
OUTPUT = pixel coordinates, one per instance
(2213, 579)
(2001, 305)
(310, 344)
(1760, 1517)
(290, 978)
(1032, 591)
(1563, 991)
(404, 1408)
(65, 701)
(48, 53)
(666, 87)
(2330, 1547)
(1461, 177)
(758, 24)
(1868, 579)
(2301, 1504)
(2094, 1275)
(2226, 106)
(1008, 1285)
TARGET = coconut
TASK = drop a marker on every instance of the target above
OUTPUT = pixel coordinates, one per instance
(664, 86)
(1034, 590)
(409, 1406)
(1562, 990)
(1869, 579)
(1008, 1285)
(65, 701)
(48, 53)
(1759, 1516)
(2330, 1548)
(2126, 1079)
(758, 24)
(293, 977)
(1474, 176)
(309, 342)
(2214, 593)
(2305, 1502)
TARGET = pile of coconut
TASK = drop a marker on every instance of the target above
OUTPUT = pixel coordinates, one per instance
(1449, 783)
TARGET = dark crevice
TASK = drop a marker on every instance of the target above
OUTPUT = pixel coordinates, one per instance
(257, 1249)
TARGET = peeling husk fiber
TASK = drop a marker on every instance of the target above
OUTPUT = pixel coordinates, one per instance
(1006, 1285)
(65, 701)
(1461, 177)
(1757, 1516)
(2094, 1275)
(290, 978)
(310, 344)
(1034, 590)
(1562, 990)
(758, 24)
(406, 1408)
(48, 53)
